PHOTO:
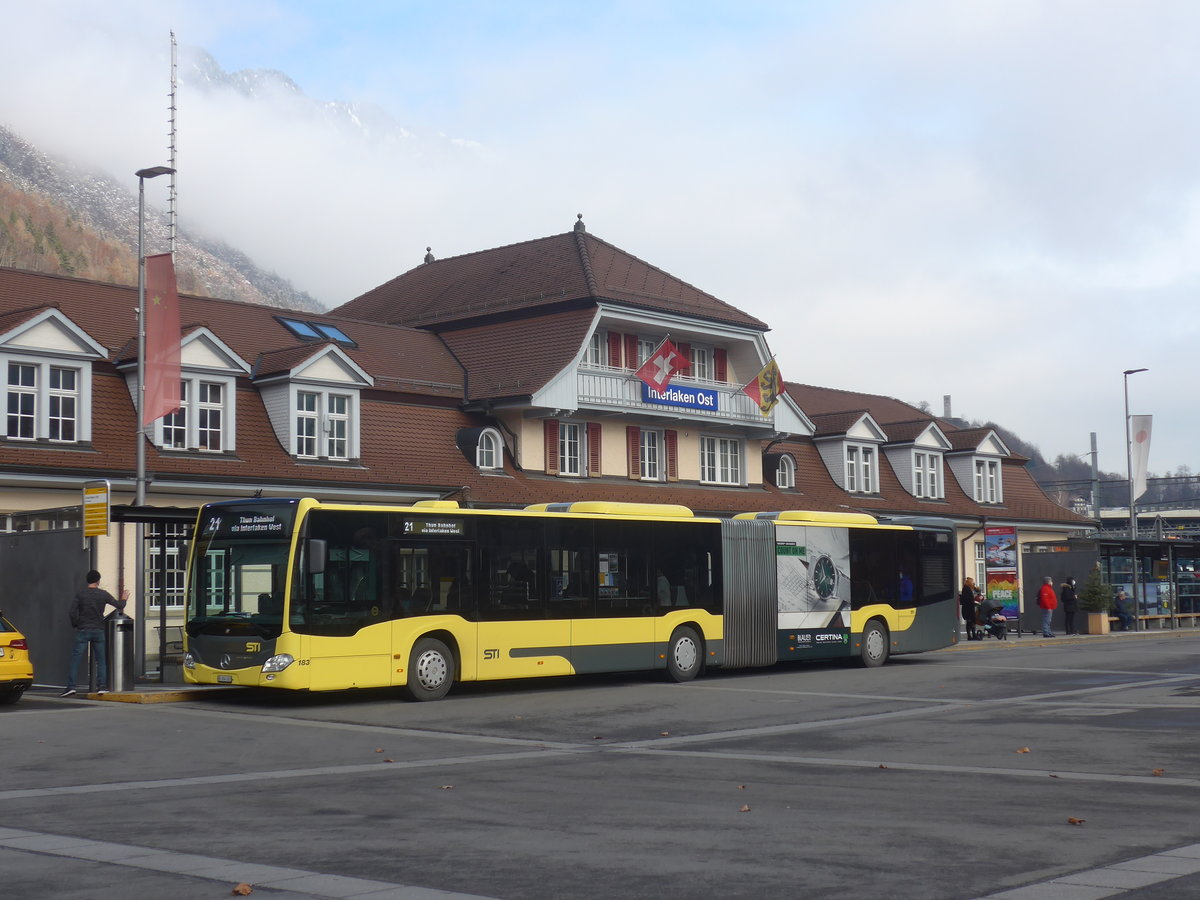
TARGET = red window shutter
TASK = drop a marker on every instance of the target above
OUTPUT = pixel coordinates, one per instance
(671, 443)
(614, 349)
(550, 427)
(631, 351)
(720, 364)
(685, 357)
(593, 441)
(633, 443)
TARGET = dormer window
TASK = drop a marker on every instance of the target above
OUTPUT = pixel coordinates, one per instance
(987, 481)
(43, 402)
(488, 454)
(785, 474)
(206, 419)
(860, 469)
(927, 475)
(198, 423)
(323, 424)
(46, 364)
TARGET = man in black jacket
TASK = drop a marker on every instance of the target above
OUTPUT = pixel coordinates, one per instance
(87, 618)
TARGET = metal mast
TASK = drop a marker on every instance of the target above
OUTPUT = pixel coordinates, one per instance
(172, 212)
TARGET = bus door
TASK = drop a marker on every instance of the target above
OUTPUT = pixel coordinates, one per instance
(342, 609)
(432, 578)
(612, 627)
(517, 637)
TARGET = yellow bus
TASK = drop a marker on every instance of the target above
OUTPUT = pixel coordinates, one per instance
(304, 595)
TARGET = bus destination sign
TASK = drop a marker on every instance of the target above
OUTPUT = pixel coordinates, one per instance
(434, 527)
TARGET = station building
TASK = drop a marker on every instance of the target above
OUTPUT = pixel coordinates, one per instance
(499, 378)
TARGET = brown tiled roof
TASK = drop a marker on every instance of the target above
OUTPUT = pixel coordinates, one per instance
(400, 358)
(535, 274)
(516, 358)
(822, 400)
(904, 432)
(825, 424)
(409, 420)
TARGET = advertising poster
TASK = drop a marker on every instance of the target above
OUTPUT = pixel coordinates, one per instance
(1000, 561)
(814, 577)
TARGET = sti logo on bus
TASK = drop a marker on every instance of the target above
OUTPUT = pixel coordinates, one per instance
(491, 654)
(253, 646)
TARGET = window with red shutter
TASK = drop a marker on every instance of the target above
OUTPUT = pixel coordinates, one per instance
(550, 431)
(720, 365)
(633, 440)
(614, 349)
(593, 449)
(671, 441)
(685, 358)
(631, 354)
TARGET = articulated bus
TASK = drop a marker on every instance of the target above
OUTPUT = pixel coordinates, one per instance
(305, 595)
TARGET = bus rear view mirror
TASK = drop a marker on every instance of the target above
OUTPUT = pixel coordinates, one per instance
(318, 553)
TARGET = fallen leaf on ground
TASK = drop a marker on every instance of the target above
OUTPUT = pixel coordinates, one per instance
(242, 889)
(447, 787)
(664, 733)
(378, 749)
(389, 760)
(1157, 772)
(1071, 820)
(741, 787)
(745, 808)
(1023, 750)
(882, 766)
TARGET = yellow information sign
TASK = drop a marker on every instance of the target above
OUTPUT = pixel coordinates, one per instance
(95, 508)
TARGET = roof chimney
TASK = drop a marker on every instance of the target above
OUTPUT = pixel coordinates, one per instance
(579, 226)
(428, 254)
(946, 406)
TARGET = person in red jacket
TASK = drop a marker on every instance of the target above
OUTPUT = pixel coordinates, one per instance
(1049, 603)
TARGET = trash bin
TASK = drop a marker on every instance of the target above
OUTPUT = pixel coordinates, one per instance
(120, 652)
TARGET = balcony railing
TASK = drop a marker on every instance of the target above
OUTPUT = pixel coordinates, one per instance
(692, 398)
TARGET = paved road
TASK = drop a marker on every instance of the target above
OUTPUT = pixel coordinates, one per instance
(948, 775)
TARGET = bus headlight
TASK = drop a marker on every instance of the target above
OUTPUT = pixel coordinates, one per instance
(189, 661)
(278, 663)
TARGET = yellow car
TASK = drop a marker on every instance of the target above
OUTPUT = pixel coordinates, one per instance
(16, 669)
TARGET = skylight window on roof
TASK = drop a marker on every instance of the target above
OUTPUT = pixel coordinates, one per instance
(308, 330)
(332, 332)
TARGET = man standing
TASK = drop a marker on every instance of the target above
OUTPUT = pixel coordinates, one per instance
(1048, 602)
(1070, 604)
(87, 618)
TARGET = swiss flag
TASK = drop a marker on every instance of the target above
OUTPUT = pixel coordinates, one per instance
(658, 369)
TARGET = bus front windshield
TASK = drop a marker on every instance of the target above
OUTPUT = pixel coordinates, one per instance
(239, 566)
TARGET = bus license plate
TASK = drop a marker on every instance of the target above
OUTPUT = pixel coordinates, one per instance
(224, 679)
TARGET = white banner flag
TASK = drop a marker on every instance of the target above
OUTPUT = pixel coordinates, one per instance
(1139, 452)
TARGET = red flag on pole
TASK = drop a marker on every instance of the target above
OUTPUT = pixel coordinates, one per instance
(162, 339)
(766, 387)
(660, 366)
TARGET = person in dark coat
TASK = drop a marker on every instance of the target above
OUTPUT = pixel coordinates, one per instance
(87, 618)
(1070, 605)
(966, 599)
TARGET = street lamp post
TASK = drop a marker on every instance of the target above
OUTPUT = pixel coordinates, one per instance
(1133, 560)
(140, 486)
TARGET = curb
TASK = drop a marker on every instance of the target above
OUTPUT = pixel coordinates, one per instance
(1013, 643)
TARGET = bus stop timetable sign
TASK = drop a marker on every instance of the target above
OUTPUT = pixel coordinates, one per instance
(95, 509)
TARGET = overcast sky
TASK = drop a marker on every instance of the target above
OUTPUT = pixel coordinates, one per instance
(995, 200)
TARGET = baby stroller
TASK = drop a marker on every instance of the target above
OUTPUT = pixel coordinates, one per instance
(990, 621)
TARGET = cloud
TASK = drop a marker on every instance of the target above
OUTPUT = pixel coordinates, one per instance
(996, 200)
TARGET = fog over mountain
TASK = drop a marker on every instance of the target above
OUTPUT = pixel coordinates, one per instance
(60, 218)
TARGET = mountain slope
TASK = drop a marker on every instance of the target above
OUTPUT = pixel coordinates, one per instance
(57, 218)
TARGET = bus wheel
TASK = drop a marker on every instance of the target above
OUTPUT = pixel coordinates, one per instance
(430, 670)
(685, 655)
(874, 645)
